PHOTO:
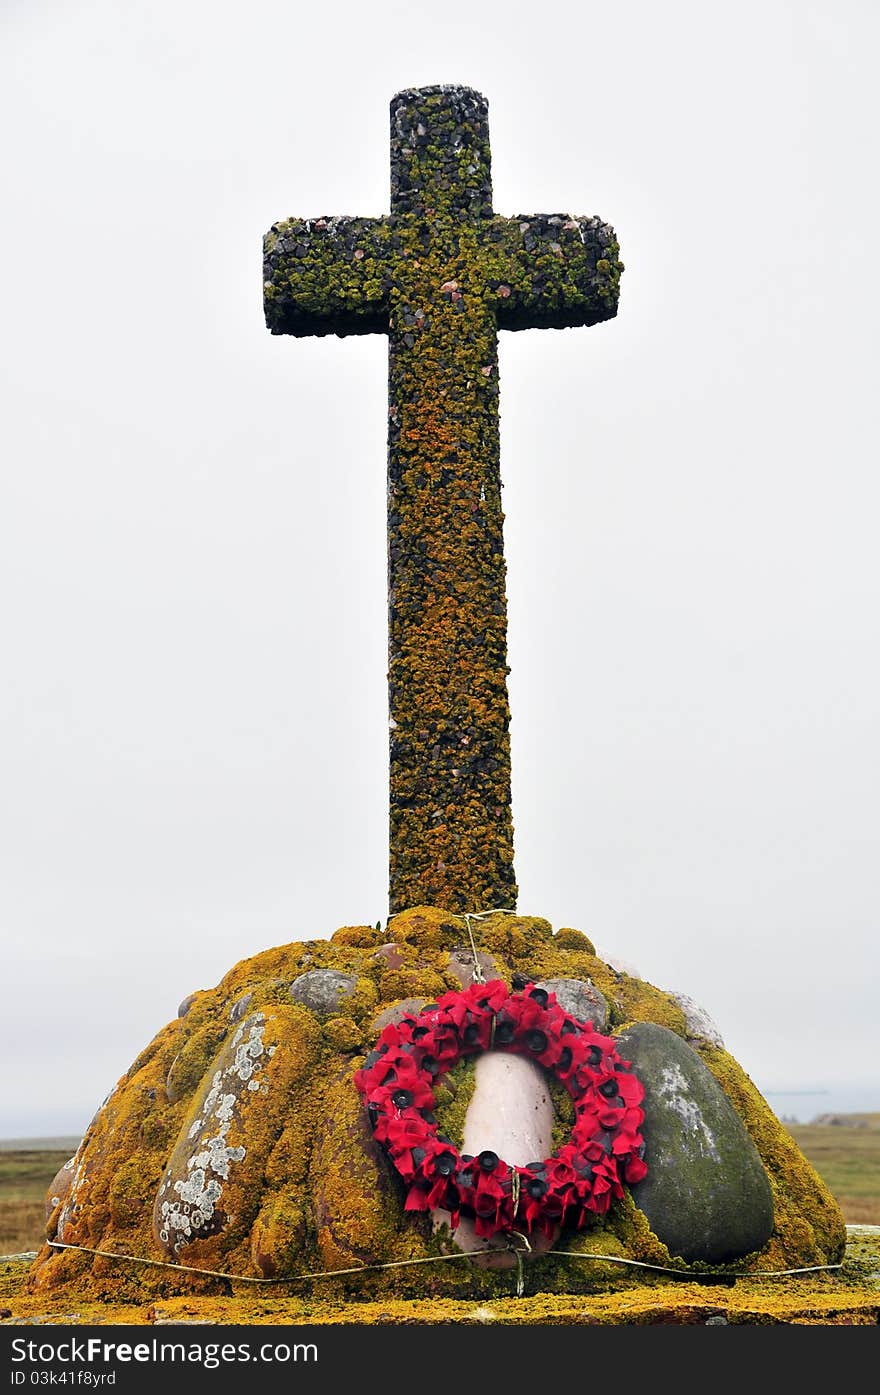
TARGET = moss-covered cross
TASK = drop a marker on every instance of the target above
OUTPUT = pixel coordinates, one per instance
(440, 276)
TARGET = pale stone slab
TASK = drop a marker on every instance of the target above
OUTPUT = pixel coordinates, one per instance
(187, 1205)
(510, 1113)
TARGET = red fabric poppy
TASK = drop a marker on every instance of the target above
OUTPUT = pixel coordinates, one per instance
(605, 1148)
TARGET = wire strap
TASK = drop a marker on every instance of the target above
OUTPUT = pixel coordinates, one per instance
(478, 975)
(254, 1279)
(684, 1274)
(694, 1273)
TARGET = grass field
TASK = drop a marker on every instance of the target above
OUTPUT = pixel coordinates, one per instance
(847, 1156)
(24, 1179)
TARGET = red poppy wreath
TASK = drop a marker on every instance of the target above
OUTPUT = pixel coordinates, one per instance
(605, 1148)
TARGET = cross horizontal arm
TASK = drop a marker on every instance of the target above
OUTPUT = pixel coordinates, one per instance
(550, 270)
(327, 276)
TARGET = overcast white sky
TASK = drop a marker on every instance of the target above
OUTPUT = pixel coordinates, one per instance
(192, 532)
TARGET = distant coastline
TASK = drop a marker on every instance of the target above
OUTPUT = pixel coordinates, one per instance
(802, 1105)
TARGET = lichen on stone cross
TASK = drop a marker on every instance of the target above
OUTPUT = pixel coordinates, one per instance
(440, 276)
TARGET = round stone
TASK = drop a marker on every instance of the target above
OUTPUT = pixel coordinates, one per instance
(393, 956)
(697, 1021)
(322, 990)
(407, 1007)
(239, 1007)
(580, 999)
(461, 964)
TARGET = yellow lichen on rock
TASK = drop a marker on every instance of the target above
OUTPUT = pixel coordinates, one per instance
(311, 1191)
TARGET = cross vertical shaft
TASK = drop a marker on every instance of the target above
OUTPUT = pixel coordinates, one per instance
(451, 825)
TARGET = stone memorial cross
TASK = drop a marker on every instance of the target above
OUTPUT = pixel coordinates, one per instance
(440, 276)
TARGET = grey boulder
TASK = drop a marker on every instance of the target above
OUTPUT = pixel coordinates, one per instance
(706, 1195)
